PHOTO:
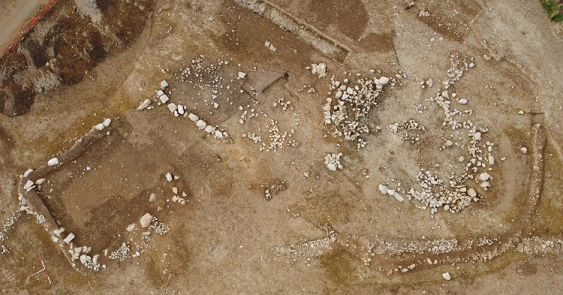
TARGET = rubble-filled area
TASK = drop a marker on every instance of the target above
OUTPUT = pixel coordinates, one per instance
(266, 146)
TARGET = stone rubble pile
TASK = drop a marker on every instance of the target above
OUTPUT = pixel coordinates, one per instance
(332, 161)
(319, 69)
(351, 104)
(480, 158)
(411, 126)
(121, 253)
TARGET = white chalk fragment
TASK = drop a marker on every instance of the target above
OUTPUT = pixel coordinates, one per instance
(241, 75)
(471, 192)
(144, 104)
(484, 176)
(172, 107)
(398, 197)
(164, 98)
(491, 160)
(85, 258)
(107, 122)
(59, 231)
(28, 185)
(463, 101)
(218, 134)
(131, 227)
(159, 93)
(26, 173)
(169, 177)
(53, 162)
(180, 109)
(193, 117)
(146, 220)
(383, 189)
(201, 124)
(319, 69)
(446, 276)
(524, 150)
(163, 84)
(69, 238)
(152, 197)
(331, 167)
(209, 129)
(99, 127)
(383, 80)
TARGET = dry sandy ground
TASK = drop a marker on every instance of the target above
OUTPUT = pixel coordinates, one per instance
(321, 231)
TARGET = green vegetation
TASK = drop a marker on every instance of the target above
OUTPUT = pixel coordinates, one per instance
(554, 11)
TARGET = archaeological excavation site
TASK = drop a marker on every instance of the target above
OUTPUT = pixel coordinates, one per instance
(281, 147)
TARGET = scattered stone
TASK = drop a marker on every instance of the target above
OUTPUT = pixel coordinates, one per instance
(144, 104)
(107, 122)
(85, 258)
(383, 189)
(28, 185)
(99, 127)
(484, 176)
(524, 150)
(209, 129)
(169, 177)
(59, 231)
(241, 75)
(172, 107)
(398, 197)
(164, 98)
(491, 160)
(131, 227)
(69, 238)
(446, 276)
(146, 220)
(122, 253)
(163, 84)
(193, 117)
(332, 161)
(26, 173)
(319, 69)
(53, 162)
(201, 124)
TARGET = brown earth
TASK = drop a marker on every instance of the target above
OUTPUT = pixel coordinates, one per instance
(228, 238)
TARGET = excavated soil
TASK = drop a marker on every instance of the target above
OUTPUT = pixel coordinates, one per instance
(260, 212)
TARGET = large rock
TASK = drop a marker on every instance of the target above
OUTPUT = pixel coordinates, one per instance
(146, 220)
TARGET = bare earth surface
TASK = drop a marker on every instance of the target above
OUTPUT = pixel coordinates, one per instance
(264, 174)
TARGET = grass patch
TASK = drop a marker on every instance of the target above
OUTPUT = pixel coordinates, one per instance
(553, 10)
